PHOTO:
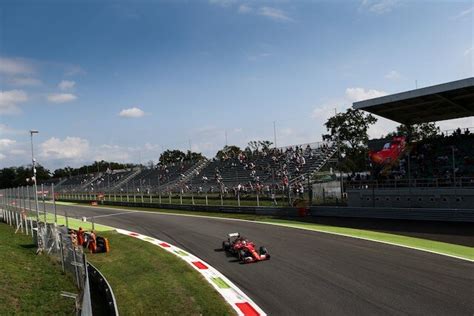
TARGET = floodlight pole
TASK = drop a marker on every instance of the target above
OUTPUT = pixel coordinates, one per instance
(33, 161)
(274, 134)
(339, 160)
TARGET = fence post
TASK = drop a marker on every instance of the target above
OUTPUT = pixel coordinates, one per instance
(170, 197)
(44, 204)
(192, 198)
(207, 202)
(258, 200)
(181, 198)
(238, 198)
(151, 199)
(54, 204)
(61, 251)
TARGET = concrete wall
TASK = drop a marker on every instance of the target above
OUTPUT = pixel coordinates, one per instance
(449, 198)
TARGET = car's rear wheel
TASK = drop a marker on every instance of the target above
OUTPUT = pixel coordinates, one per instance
(226, 245)
(263, 251)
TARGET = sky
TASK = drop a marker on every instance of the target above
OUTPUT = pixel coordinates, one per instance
(125, 80)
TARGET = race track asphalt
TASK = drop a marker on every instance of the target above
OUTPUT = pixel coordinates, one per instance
(313, 273)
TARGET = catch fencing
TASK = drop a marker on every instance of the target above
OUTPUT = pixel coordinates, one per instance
(55, 241)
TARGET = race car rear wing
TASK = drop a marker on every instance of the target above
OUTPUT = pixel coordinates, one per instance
(234, 235)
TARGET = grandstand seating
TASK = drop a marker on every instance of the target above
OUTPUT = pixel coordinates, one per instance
(276, 167)
(433, 158)
(152, 178)
(107, 180)
(268, 167)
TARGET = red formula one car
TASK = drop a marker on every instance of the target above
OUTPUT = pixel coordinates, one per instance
(244, 249)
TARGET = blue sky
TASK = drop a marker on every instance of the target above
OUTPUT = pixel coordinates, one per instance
(123, 80)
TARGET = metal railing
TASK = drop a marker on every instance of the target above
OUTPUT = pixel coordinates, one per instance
(461, 182)
(53, 240)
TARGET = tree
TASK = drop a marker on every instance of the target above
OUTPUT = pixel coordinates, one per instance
(17, 176)
(417, 132)
(349, 129)
(231, 150)
(254, 145)
(265, 144)
(193, 156)
(257, 145)
(172, 156)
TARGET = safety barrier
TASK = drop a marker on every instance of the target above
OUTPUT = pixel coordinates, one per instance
(421, 214)
(103, 289)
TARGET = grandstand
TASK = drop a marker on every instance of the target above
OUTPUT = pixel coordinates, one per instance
(247, 171)
(441, 165)
(275, 167)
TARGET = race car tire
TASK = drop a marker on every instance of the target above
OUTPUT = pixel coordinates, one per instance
(263, 250)
(242, 255)
(226, 245)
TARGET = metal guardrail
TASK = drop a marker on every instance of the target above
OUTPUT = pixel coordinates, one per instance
(101, 284)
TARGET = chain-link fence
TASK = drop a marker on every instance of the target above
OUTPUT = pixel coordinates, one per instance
(59, 242)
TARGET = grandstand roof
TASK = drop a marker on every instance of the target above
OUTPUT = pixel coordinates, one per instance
(430, 104)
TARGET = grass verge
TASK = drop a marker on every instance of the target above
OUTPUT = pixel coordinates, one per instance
(400, 240)
(147, 279)
(30, 284)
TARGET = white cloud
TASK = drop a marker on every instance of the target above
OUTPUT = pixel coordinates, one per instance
(359, 94)
(464, 13)
(5, 142)
(243, 8)
(5, 129)
(379, 6)
(113, 153)
(15, 66)
(393, 75)
(61, 97)
(132, 113)
(66, 84)
(9, 101)
(24, 81)
(328, 109)
(70, 148)
(2, 156)
(322, 113)
(18, 152)
(273, 13)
